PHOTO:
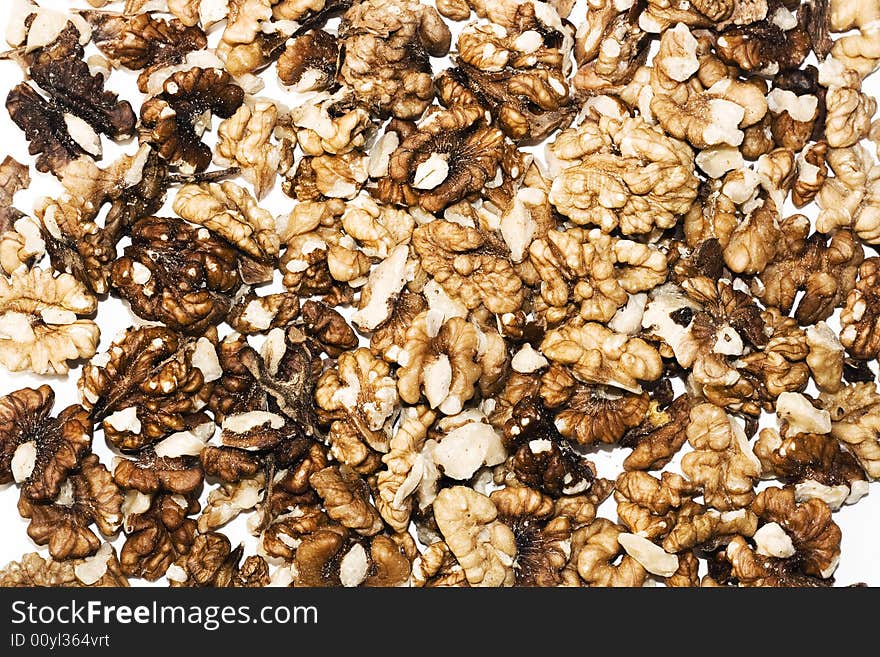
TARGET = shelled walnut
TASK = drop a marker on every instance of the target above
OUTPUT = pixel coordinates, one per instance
(417, 361)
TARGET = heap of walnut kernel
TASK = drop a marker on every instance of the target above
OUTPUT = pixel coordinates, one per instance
(581, 233)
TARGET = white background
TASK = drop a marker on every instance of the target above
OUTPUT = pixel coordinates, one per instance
(860, 560)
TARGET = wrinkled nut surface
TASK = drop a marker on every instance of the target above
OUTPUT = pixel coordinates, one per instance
(489, 281)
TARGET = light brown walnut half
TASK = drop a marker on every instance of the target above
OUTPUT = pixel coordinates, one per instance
(408, 471)
(851, 198)
(245, 141)
(463, 261)
(20, 241)
(857, 50)
(44, 321)
(483, 545)
(649, 506)
(597, 562)
(708, 528)
(826, 357)
(249, 41)
(437, 567)
(360, 391)
(629, 176)
(722, 462)
(33, 569)
(330, 123)
(596, 354)
(232, 213)
(591, 273)
(386, 44)
(439, 362)
(824, 269)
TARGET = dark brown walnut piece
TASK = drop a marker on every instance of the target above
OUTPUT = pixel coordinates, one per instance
(181, 275)
(288, 380)
(543, 540)
(746, 567)
(44, 128)
(263, 400)
(389, 563)
(517, 73)
(544, 459)
(159, 536)
(230, 465)
(764, 47)
(385, 46)
(143, 42)
(590, 413)
(453, 154)
(814, 536)
(346, 498)
(286, 529)
(212, 562)
(75, 110)
(77, 242)
(236, 391)
(170, 120)
(325, 325)
(526, 105)
(73, 90)
(14, 176)
(149, 473)
(659, 437)
(825, 269)
(809, 459)
(318, 557)
(33, 569)
(38, 451)
(860, 317)
(705, 259)
(151, 382)
(309, 62)
(794, 134)
(328, 555)
(89, 496)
